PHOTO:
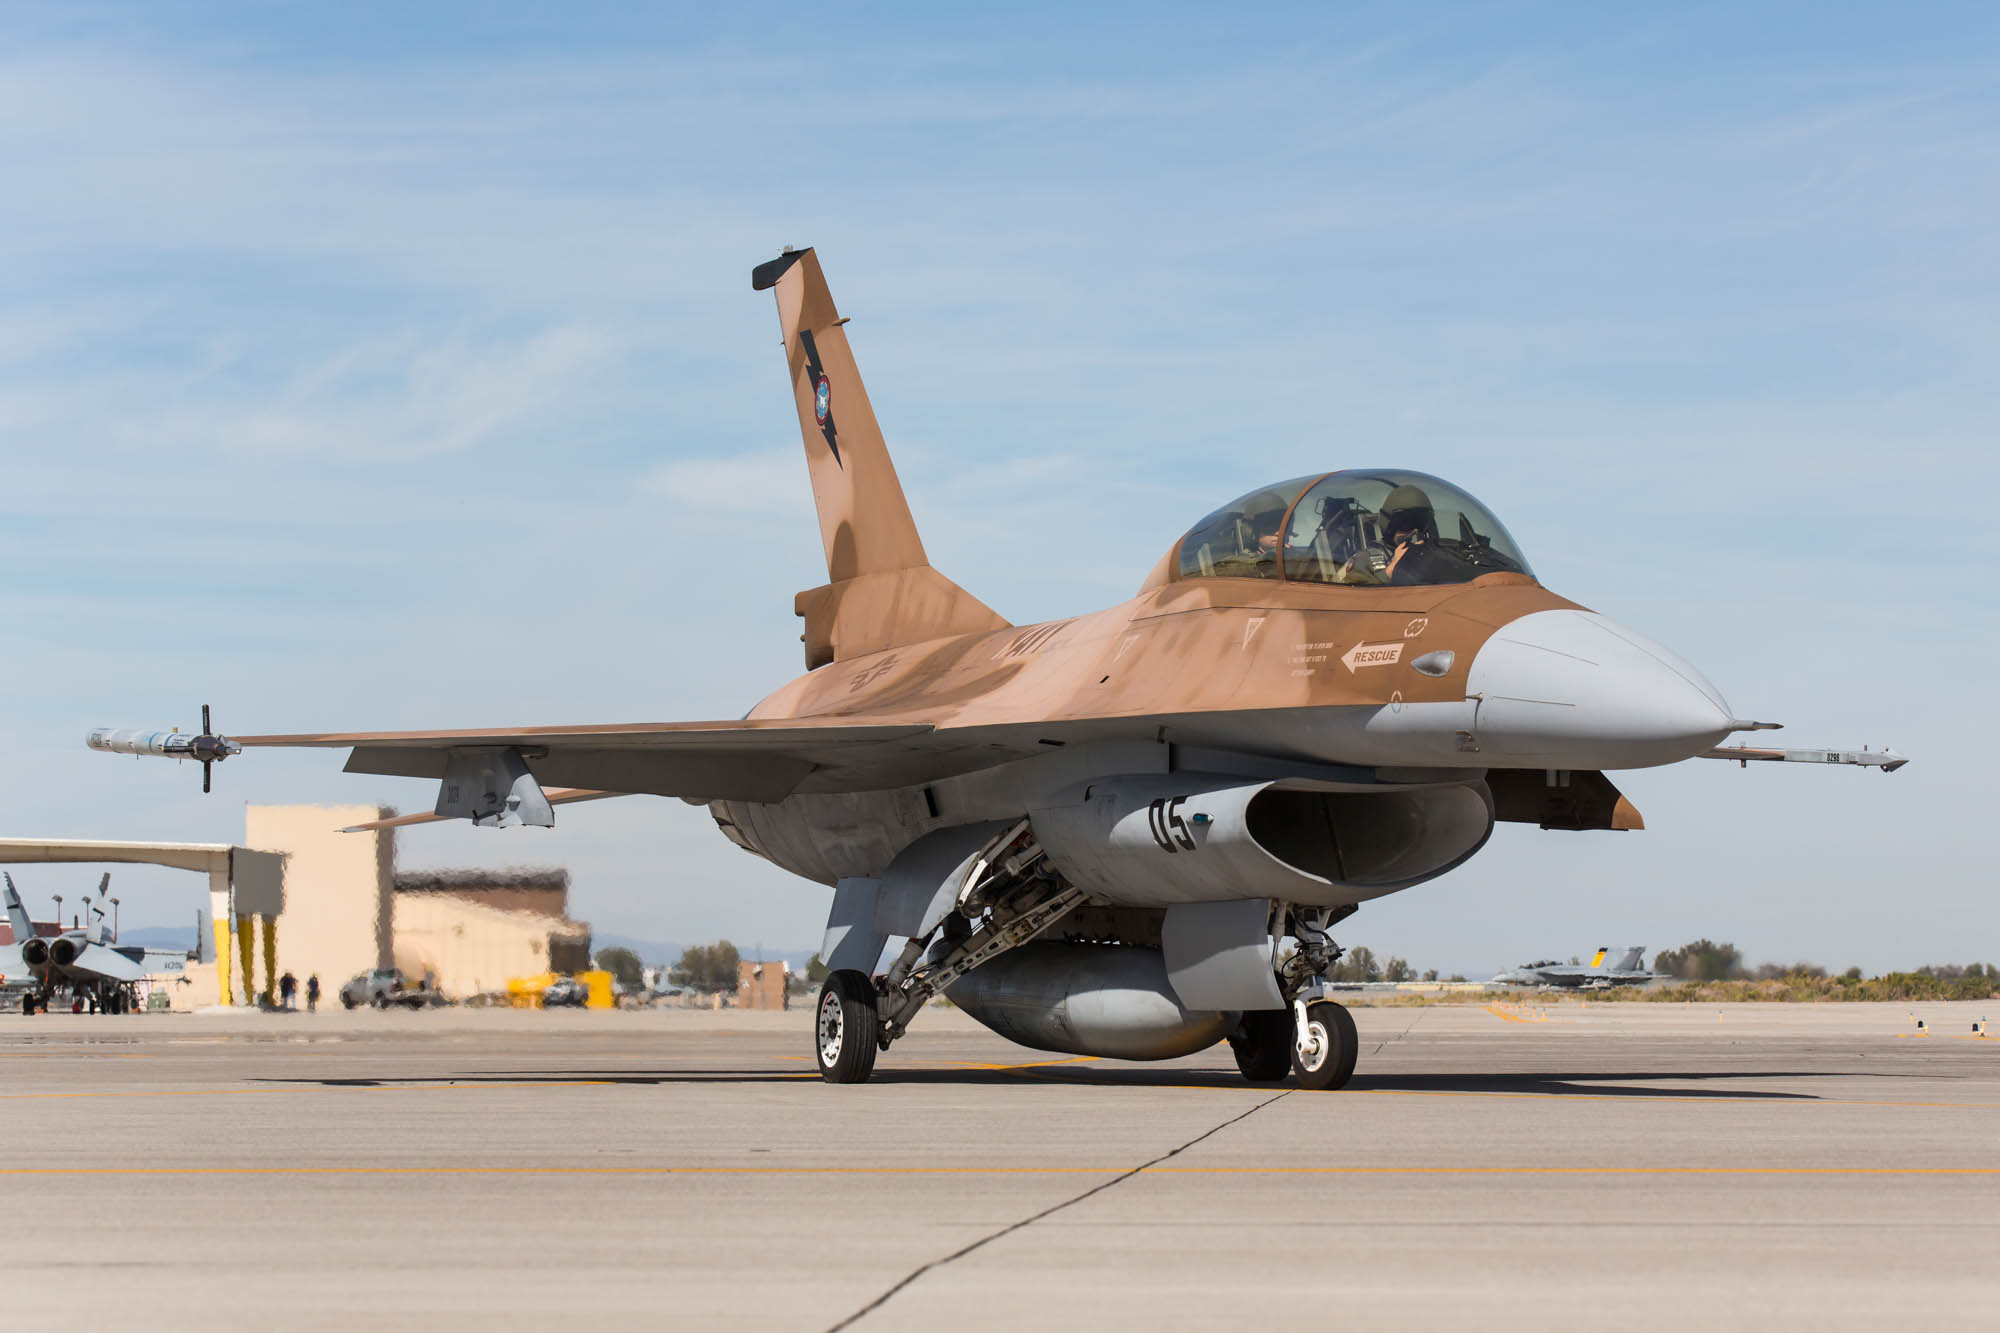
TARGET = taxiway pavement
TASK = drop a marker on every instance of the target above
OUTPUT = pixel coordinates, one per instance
(1727, 1166)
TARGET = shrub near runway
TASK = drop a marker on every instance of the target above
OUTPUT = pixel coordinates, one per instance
(1805, 988)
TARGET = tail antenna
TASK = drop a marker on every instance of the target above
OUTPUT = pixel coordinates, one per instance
(207, 765)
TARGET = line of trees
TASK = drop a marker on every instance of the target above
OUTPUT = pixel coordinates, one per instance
(1360, 964)
(707, 967)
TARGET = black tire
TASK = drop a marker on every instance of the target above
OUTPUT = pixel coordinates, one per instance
(1262, 1044)
(27, 1006)
(381, 1001)
(347, 1001)
(1323, 1054)
(846, 1026)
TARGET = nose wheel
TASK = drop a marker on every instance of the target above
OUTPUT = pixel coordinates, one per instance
(1324, 1045)
(846, 1028)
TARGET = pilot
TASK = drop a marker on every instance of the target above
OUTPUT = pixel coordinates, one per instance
(1409, 525)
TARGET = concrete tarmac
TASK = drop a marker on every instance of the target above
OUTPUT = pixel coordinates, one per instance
(1732, 1166)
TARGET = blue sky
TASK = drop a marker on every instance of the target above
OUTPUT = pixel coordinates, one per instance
(397, 366)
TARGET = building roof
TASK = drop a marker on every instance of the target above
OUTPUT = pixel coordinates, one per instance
(458, 879)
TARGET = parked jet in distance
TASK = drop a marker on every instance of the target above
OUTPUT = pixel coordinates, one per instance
(1129, 833)
(88, 959)
(1629, 970)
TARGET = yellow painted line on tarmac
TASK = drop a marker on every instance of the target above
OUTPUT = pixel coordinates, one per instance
(324, 1087)
(1664, 1097)
(1774, 1171)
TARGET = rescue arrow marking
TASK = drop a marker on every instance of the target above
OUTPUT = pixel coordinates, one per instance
(1372, 655)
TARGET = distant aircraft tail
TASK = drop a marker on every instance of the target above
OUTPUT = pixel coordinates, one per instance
(1597, 959)
(17, 915)
(1633, 959)
(881, 590)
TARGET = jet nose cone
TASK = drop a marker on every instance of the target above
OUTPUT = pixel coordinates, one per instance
(1570, 689)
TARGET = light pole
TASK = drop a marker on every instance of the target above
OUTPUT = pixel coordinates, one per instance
(114, 919)
(59, 925)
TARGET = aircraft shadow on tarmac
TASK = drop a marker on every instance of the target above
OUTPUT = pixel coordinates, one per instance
(1693, 1085)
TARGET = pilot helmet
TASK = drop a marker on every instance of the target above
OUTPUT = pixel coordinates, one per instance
(1408, 507)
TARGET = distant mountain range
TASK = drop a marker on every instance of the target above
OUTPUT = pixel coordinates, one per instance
(159, 937)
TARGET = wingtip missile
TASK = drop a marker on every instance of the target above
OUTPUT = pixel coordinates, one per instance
(204, 747)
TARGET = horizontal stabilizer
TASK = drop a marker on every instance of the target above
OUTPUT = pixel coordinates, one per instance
(105, 962)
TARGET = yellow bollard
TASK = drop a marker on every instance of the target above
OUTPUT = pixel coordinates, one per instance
(246, 948)
(270, 924)
(223, 946)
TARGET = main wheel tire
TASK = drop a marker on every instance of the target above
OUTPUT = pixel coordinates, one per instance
(1262, 1045)
(846, 1025)
(1323, 1054)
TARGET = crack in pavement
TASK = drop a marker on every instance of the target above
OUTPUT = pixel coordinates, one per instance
(1418, 1018)
(1051, 1210)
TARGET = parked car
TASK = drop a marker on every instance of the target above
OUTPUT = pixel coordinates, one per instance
(564, 991)
(383, 987)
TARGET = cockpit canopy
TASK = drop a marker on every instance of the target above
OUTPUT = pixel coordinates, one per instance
(1366, 526)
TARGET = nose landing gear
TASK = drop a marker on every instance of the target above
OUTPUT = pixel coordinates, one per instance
(1323, 1044)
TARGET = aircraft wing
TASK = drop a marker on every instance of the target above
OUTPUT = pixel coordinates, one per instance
(514, 775)
(748, 760)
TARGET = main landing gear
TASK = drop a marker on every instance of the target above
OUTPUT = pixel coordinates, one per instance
(1262, 1045)
(847, 1029)
(1007, 897)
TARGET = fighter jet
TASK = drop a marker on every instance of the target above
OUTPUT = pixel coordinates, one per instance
(1629, 970)
(1130, 833)
(86, 959)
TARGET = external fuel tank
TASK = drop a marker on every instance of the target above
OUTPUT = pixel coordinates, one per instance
(1086, 999)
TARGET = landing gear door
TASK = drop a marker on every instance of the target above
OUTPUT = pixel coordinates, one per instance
(1220, 955)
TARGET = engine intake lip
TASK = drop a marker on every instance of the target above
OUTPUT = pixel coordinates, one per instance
(35, 952)
(63, 952)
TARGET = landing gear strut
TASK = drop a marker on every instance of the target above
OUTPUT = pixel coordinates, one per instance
(1008, 896)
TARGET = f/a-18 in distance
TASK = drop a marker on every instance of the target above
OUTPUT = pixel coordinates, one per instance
(1130, 833)
(87, 959)
(1629, 970)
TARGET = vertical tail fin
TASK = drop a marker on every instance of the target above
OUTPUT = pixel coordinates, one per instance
(1598, 959)
(863, 518)
(1634, 959)
(881, 591)
(17, 915)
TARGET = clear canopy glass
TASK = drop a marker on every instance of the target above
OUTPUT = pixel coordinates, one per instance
(1365, 526)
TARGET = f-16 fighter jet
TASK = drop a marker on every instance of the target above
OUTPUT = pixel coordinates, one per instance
(1629, 970)
(1130, 833)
